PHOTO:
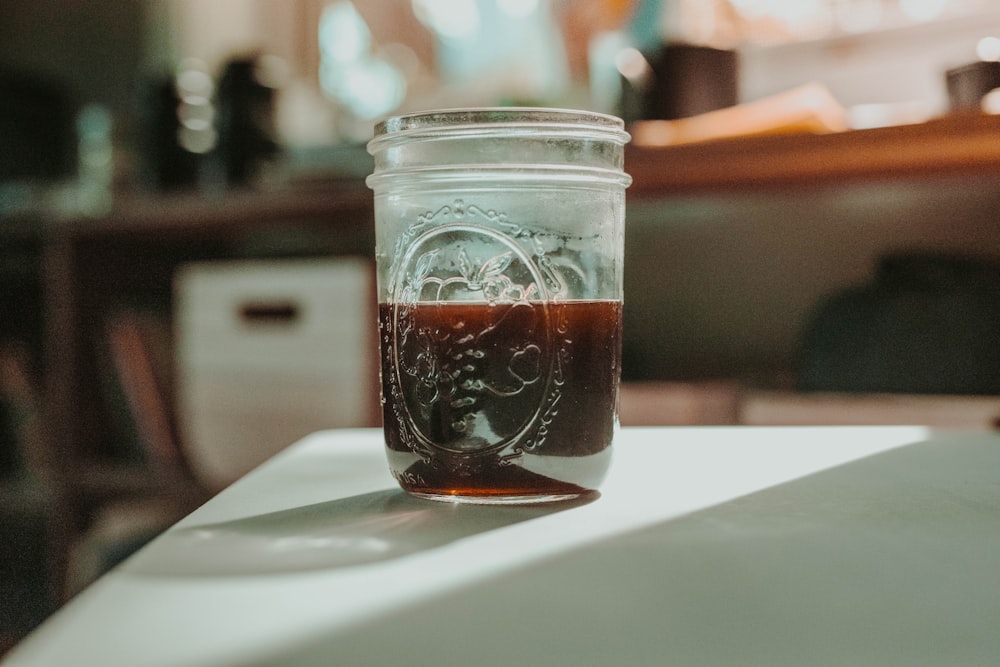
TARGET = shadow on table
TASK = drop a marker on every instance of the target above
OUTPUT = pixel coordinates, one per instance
(887, 560)
(358, 530)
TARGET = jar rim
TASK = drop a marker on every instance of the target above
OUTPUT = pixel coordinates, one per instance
(526, 175)
(458, 121)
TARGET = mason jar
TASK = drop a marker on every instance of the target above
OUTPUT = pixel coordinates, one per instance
(499, 243)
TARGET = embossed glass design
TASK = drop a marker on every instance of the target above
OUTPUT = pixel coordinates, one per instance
(499, 240)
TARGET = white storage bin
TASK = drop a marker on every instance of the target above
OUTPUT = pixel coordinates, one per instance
(269, 351)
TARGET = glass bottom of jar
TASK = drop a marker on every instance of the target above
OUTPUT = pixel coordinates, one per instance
(503, 499)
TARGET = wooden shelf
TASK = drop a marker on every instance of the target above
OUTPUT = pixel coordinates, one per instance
(962, 144)
(186, 213)
(92, 266)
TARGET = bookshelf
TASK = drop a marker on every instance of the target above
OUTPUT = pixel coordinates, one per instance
(959, 145)
(94, 268)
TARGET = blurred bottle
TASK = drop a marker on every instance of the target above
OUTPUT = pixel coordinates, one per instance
(245, 122)
(166, 164)
(667, 73)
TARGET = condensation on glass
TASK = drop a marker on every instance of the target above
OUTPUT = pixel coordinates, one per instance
(499, 241)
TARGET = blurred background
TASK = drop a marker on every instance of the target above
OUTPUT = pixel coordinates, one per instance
(185, 234)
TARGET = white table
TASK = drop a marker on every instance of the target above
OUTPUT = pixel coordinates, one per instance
(707, 546)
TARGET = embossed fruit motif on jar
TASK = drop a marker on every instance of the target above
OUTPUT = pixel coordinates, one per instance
(499, 241)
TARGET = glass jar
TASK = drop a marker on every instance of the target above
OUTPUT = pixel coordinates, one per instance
(499, 243)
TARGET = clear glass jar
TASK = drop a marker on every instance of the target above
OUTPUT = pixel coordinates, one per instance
(499, 242)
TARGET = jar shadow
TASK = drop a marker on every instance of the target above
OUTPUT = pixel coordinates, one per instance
(348, 532)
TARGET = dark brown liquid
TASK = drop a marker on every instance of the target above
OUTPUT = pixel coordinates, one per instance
(503, 400)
